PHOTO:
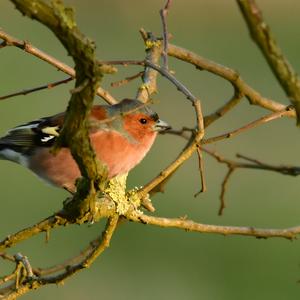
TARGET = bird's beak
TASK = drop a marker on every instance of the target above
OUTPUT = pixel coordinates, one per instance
(161, 126)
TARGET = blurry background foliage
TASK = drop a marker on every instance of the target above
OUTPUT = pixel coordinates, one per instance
(145, 262)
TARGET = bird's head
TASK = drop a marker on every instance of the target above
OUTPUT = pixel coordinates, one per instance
(131, 118)
(139, 120)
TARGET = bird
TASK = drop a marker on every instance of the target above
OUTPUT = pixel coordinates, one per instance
(121, 135)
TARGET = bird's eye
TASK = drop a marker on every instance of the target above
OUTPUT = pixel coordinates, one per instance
(143, 121)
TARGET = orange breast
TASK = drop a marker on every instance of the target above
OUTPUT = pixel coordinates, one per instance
(112, 149)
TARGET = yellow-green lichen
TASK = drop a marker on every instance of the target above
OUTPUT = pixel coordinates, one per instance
(124, 201)
(134, 199)
(150, 44)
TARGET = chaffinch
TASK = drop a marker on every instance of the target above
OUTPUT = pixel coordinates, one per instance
(121, 136)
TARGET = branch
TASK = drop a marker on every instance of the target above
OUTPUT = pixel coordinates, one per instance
(232, 76)
(42, 87)
(126, 80)
(201, 170)
(235, 99)
(233, 165)
(98, 246)
(262, 36)
(153, 52)
(262, 120)
(159, 181)
(27, 47)
(224, 188)
(163, 14)
(240, 86)
(42, 226)
(189, 225)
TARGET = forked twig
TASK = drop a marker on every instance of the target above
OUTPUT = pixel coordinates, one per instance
(233, 165)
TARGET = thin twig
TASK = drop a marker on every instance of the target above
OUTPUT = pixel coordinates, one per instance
(201, 169)
(183, 132)
(71, 261)
(262, 120)
(223, 190)
(163, 14)
(220, 112)
(42, 87)
(282, 169)
(124, 63)
(7, 278)
(198, 139)
(126, 80)
(253, 160)
(8, 257)
(173, 79)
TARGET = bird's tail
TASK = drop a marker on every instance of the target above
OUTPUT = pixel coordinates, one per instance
(3, 150)
(2, 147)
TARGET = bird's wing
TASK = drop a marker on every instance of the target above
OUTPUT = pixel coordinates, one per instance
(26, 137)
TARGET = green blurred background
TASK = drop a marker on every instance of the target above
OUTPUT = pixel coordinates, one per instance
(146, 262)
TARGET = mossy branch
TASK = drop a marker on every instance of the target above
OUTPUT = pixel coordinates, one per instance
(263, 37)
(60, 20)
